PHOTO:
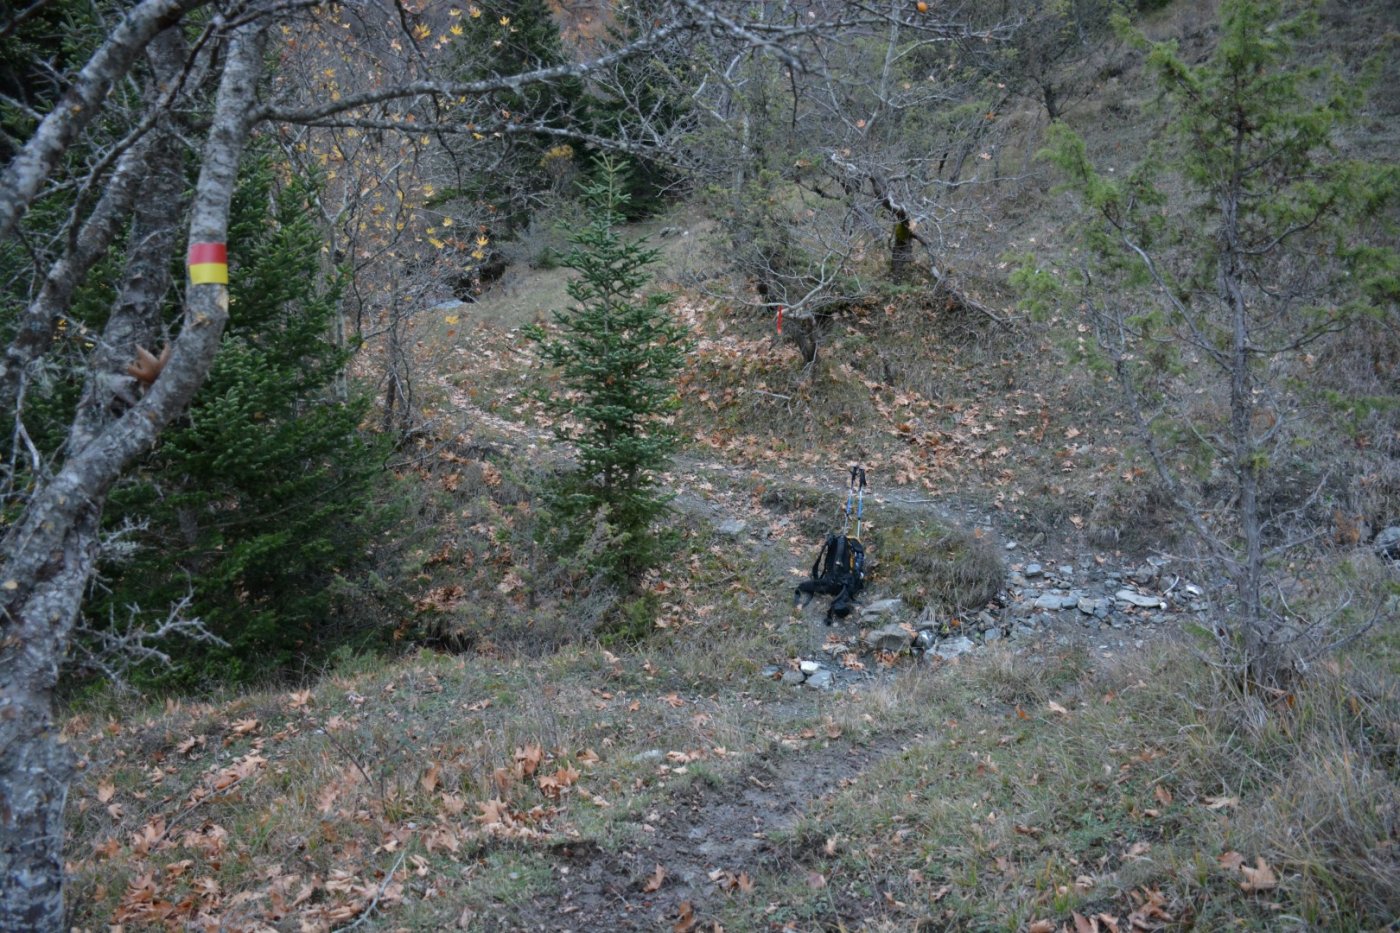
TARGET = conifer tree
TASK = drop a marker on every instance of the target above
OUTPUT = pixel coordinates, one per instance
(254, 502)
(618, 353)
(1209, 314)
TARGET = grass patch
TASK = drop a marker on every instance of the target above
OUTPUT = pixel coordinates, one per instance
(927, 563)
(1128, 792)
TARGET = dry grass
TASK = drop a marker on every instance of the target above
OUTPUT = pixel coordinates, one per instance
(1041, 789)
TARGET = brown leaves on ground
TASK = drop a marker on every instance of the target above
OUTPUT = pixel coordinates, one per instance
(1149, 913)
(1258, 878)
(655, 880)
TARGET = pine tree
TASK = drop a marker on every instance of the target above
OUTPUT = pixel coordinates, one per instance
(255, 503)
(618, 353)
(1282, 244)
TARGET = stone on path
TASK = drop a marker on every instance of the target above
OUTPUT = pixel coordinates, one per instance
(892, 637)
(881, 607)
(953, 647)
(1137, 599)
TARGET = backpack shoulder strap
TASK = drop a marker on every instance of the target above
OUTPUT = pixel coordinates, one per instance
(817, 564)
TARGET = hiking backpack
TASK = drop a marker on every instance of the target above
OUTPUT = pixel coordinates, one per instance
(841, 563)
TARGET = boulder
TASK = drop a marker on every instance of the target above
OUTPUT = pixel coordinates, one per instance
(1387, 543)
(821, 680)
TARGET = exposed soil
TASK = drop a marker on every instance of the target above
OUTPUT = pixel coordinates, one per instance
(707, 839)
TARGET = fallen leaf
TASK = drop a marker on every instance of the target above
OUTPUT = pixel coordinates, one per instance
(429, 780)
(654, 882)
(1231, 861)
(1259, 878)
(816, 880)
(1057, 708)
(1041, 926)
(1083, 924)
(1220, 803)
(1164, 796)
(685, 919)
(528, 758)
(105, 791)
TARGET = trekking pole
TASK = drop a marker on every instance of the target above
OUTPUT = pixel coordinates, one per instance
(858, 488)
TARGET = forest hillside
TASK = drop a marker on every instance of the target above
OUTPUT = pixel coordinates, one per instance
(426, 417)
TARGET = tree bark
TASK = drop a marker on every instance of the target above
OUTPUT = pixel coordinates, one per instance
(136, 316)
(49, 552)
(901, 248)
(26, 173)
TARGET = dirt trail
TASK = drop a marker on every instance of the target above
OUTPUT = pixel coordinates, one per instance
(708, 839)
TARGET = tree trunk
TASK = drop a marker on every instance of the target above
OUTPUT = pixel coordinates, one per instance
(1245, 454)
(135, 319)
(25, 174)
(804, 334)
(49, 551)
(901, 248)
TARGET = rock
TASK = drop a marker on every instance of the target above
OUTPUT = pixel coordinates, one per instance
(771, 672)
(925, 639)
(1093, 607)
(881, 607)
(1144, 574)
(991, 635)
(954, 647)
(793, 678)
(1387, 543)
(1137, 599)
(1066, 570)
(809, 667)
(890, 638)
(1011, 545)
(732, 528)
(1032, 571)
(1037, 539)
(1022, 609)
(1056, 601)
(651, 754)
(821, 680)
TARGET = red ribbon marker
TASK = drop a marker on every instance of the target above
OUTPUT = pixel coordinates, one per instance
(780, 319)
(208, 264)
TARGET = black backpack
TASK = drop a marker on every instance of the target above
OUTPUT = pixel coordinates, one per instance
(844, 563)
(839, 571)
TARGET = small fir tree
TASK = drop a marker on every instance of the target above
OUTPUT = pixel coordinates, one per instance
(618, 353)
(260, 499)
